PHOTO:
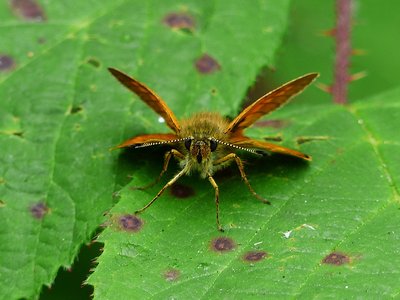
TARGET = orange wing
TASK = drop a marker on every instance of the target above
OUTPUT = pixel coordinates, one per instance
(246, 142)
(149, 97)
(269, 102)
(147, 139)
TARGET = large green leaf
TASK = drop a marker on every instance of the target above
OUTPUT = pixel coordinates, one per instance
(332, 228)
(331, 231)
(60, 110)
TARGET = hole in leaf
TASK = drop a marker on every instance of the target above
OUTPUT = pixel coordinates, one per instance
(222, 244)
(207, 64)
(75, 109)
(28, 10)
(19, 134)
(39, 210)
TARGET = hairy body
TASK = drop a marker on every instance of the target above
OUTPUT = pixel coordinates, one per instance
(200, 157)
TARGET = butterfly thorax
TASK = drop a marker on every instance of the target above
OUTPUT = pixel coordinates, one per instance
(201, 151)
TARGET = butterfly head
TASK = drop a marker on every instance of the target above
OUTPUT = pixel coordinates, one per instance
(199, 150)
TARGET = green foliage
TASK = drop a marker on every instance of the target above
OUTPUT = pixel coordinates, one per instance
(345, 201)
(60, 111)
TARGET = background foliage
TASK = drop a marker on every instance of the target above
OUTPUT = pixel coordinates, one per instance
(332, 229)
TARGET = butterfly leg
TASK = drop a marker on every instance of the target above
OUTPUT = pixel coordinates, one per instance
(215, 186)
(239, 163)
(169, 183)
(167, 158)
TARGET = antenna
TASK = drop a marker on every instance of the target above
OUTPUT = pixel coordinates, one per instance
(236, 147)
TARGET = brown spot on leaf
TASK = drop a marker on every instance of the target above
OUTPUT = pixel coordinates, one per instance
(172, 274)
(222, 244)
(254, 256)
(130, 223)
(28, 10)
(272, 123)
(336, 258)
(39, 210)
(179, 21)
(181, 191)
(41, 40)
(6, 62)
(94, 62)
(207, 64)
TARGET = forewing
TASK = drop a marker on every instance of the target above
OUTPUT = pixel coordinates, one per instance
(149, 97)
(146, 139)
(269, 102)
(246, 142)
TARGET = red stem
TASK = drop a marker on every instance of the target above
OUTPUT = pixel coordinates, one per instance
(343, 51)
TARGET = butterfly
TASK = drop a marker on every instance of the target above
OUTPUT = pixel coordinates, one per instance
(207, 142)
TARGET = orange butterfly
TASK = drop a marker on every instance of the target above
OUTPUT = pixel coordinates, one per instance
(207, 142)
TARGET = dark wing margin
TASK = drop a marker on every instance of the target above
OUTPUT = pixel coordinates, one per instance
(139, 140)
(149, 97)
(246, 142)
(269, 102)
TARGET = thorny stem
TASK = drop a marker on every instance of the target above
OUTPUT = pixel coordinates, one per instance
(343, 51)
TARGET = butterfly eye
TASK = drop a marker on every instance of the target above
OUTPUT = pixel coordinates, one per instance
(188, 142)
(213, 145)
